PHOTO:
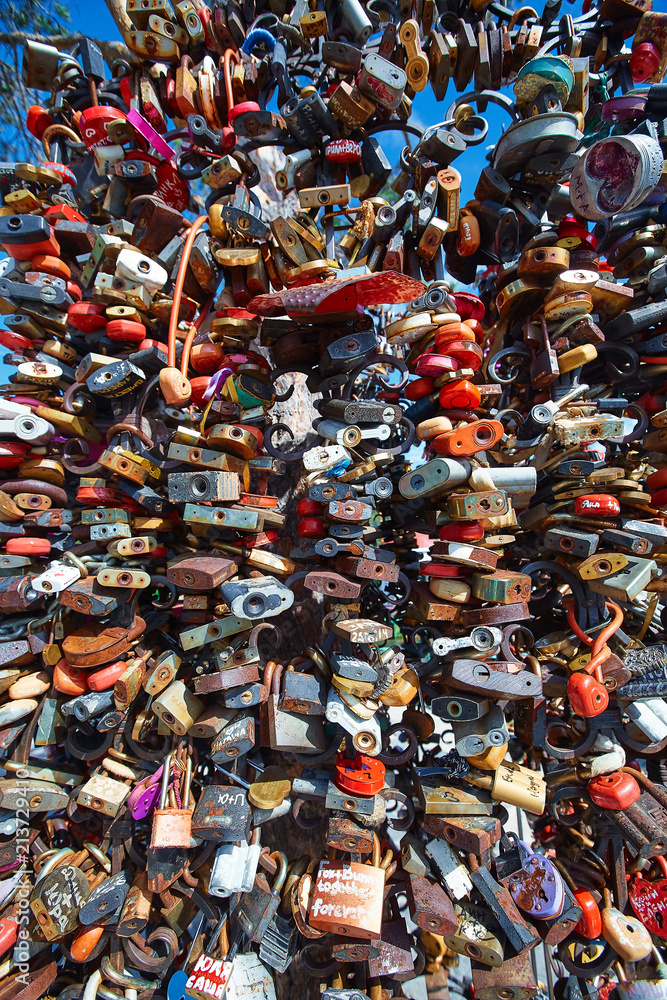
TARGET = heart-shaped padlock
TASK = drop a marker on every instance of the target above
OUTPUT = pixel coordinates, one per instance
(537, 888)
(649, 901)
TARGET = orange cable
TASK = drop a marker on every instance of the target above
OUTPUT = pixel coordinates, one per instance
(192, 333)
(178, 287)
(599, 646)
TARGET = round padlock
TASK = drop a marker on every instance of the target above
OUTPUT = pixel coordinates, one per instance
(419, 388)
(363, 776)
(614, 175)
(93, 124)
(464, 531)
(307, 506)
(86, 316)
(125, 330)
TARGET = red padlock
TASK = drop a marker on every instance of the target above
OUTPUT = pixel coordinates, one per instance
(590, 924)
(37, 120)
(308, 506)
(12, 453)
(66, 175)
(62, 213)
(311, 527)
(439, 571)
(659, 498)
(572, 232)
(9, 930)
(614, 791)
(86, 316)
(16, 341)
(147, 344)
(419, 388)
(125, 329)
(587, 696)
(468, 355)
(92, 125)
(597, 505)
(465, 531)
(343, 151)
(28, 546)
(657, 480)
(363, 776)
(106, 677)
(469, 306)
(644, 61)
(198, 385)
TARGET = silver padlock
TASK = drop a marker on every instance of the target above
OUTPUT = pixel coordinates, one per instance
(234, 869)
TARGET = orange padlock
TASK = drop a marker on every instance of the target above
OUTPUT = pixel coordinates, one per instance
(206, 358)
(469, 438)
(69, 680)
(587, 696)
(590, 924)
(85, 940)
(468, 238)
(453, 331)
(460, 395)
(465, 352)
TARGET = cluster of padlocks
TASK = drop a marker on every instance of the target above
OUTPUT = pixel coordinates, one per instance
(333, 511)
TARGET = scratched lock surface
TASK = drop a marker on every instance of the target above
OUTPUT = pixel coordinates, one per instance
(332, 508)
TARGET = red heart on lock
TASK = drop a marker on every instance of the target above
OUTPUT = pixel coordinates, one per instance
(649, 901)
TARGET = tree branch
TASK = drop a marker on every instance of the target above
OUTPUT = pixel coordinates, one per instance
(110, 50)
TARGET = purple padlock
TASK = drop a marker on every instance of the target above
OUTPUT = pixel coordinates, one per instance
(144, 798)
(537, 888)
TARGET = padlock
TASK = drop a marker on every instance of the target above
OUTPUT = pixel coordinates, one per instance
(172, 827)
(258, 907)
(141, 563)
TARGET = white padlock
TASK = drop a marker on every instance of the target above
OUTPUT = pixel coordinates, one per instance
(135, 267)
(59, 576)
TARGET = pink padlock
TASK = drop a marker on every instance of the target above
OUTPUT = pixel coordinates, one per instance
(435, 365)
(144, 798)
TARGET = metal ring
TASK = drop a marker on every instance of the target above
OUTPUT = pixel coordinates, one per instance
(268, 445)
(387, 756)
(302, 822)
(393, 795)
(492, 96)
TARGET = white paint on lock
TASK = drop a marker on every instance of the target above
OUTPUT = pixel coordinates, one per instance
(13, 711)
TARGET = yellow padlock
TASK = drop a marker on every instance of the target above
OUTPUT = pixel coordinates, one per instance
(577, 357)
(403, 689)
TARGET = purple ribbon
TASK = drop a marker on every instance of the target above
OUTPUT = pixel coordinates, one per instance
(214, 388)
